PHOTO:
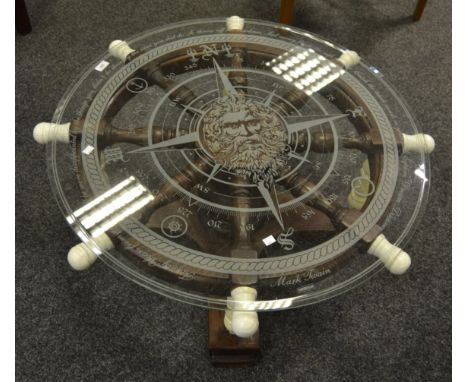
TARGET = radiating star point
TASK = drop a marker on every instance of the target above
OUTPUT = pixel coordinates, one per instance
(271, 200)
(174, 142)
(225, 86)
(307, 122)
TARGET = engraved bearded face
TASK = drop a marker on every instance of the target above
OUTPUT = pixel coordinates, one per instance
(245, 136)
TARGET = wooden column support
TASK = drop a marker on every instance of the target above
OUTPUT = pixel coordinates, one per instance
(23, 24)
(419, 10)
(286, 11)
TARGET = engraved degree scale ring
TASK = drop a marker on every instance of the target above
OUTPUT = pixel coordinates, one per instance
(202, 158)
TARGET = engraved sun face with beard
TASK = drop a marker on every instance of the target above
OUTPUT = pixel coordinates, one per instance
(246, 137)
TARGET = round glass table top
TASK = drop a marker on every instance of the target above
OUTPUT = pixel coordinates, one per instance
(215, 153)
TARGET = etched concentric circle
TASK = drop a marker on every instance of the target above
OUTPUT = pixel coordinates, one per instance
(194, 129)
(174, 226)
(209, 262)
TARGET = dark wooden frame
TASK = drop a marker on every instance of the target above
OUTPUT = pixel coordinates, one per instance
(23, 24)
(287, 11)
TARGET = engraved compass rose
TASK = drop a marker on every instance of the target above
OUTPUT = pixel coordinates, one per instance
(244, 136)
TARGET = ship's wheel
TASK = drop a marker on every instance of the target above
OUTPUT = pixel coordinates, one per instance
(239, 165)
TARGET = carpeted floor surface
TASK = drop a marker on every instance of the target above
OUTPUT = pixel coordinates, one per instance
(97, 326)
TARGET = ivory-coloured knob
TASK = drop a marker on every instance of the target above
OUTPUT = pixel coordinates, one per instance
(120, 49)
(81, 256)
(234, 23)
(46, 132)
(239, 318)
(418, 143)
(394, 258)
(349, 58)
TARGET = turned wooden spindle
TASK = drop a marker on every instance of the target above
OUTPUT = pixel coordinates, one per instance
(152, 72)
(187, 178)
(238, 78)
(395, 259)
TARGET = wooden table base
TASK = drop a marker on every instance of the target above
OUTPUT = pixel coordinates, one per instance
(227, 350)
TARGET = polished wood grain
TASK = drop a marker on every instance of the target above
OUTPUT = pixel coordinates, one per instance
(227, 350)
(419, 10)
(286, 11)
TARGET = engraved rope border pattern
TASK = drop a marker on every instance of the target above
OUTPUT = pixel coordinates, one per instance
(288, 263)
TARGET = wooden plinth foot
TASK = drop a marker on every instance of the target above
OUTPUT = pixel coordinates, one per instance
(227, 350)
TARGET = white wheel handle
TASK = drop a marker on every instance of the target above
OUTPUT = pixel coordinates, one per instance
(234, 23)
(418, 143)
(349, 58)
(395, 259)
(46, 132)
(81, 257)
(239, 320)
(120, 49)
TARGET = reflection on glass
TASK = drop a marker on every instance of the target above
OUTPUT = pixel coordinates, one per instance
(421, 173)
(282, 303)
(307, 70)
(110, 208)
(269, 240)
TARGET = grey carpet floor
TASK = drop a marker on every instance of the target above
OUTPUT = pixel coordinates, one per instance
(97, 326)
